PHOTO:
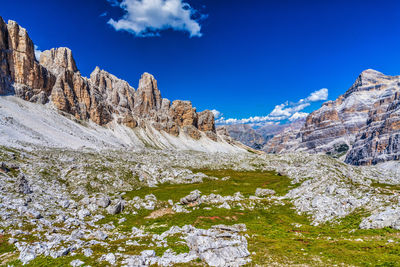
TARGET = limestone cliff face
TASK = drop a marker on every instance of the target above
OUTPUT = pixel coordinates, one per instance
(116, 96)
(102, 98)
(20, 73)
(362, 125)
(148, 96)
(205, 121)
(58, 60)
(73, 93)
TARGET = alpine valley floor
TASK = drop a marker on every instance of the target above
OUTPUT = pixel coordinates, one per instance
(185, 208)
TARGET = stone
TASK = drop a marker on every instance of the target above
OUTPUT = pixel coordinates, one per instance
(262, 192)
(92, 207)
(224, 205)
(390, 217)
(65, 203)
(26, 256)
(87, 252)
(116, 208)
(101, 235)
(4, 167)
(110, 258)
(148, 253)
(219, 246)
(76, 263)
(83, 213)
(193, 197)
(103, 201)
(12, 241)
(22, 184)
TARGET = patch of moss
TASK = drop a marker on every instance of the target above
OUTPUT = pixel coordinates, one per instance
(388, 187)
(245, 182)
(4, 245)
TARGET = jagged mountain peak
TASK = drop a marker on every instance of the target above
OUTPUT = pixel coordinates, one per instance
(371, 72)
(102, 98)
(58, 59)
(147, 82)
(147, 94)
(370, 80)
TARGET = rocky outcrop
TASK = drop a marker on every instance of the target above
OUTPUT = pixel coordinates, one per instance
(205, 121)
(183, 113)
(148, 96)
(102, 98)
(362, 126)
(58, 60)
(20, 73)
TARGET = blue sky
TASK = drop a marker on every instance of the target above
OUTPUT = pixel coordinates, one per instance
(242, 58)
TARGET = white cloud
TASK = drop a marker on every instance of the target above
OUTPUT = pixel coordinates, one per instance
(216, 113)
(319, 95)
(255, 119)
(285, 111)
(37, 52)
(298, 115)
(146, 18)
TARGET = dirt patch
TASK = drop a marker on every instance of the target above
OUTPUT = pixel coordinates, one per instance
(159, 213)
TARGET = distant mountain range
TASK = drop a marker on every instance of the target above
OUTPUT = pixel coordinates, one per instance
(258, 137)
(362, 126)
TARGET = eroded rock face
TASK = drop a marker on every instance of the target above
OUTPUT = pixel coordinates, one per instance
(58, 60)
(101, 98)
(148, 96)
(20, 73)
(205, 121)
(363, 124)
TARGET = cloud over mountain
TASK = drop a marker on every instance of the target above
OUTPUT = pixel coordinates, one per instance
(286, 111)
(146, 18)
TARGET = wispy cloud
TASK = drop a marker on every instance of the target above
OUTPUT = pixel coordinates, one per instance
(286, 111)
(319, 95)
(146, 18)
(216, 113)
(113, 2)
(298, 115)
(37, 52)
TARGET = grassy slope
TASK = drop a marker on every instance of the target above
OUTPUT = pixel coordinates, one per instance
(277, 234)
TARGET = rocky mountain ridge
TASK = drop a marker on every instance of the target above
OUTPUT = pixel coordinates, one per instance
(245, 134)
(361, 126)
(258, 137)
(101, 98)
